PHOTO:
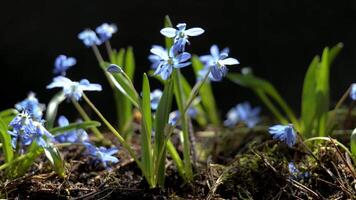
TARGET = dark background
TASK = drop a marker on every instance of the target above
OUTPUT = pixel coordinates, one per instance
(277, 38)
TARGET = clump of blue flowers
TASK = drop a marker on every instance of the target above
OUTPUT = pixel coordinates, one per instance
(72, 89)
(284, 133)
(71, 136)
(32, 106)
(89, 38)
(243, 112)
(105, 31)
(63, 63)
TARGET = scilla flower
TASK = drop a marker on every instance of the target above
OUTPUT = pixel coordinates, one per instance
(284, 133)
(72, 136)
(73, 90)
(63, 63)
(89, 38)
(102, 154)
(105, 31)
(155, 59)
(218, 65)
(175, 115)
(155, 98)
(31, 106)
(353, 92)
(168, 61)
(243, 112)
(210, 60)
(181, 35)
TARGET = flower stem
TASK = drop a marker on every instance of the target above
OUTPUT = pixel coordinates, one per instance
(108, 48)
(117, 134)
(85, 116)
(97, 54)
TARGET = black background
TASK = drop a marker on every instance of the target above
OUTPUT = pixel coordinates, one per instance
(277, 38)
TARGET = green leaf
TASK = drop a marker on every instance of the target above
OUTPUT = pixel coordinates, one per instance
(129, 67)
(55, 159)
(353, 143)
(309, 98)
(168, 41)
(206, 94)
(5, 139)
(161, 120)
(146, 126)
(76, 126)
(52, 109)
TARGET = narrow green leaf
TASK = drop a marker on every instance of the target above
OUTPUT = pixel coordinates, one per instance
(168, 23)
(5, 139)
(55, 159)
(129, 66)
(52, 109)
(161, 120)
(75, 126)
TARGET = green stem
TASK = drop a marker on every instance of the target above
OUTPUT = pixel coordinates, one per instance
(175, 156)
(86, 117)
(117, 134)
(97, 54)
(108, 47)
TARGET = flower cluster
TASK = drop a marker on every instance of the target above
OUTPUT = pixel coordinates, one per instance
(72, 89)
(243, 112)
(90, 38)
(284, 133)
(72, 136)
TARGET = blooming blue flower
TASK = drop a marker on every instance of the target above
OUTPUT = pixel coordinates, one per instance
(243, 112)
(169, 61)
(175, 115)
(73, 90)
(155, 59)
(105, 31)
(210, 60)
(181, 35)
(284, 133)
(155, 98)
(102, 154)
(31, 106)
(89, 38)
(63, 63)
(72, 136)
(25, 131)
(353, 92)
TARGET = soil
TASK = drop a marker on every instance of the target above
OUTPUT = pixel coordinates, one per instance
(232, 168)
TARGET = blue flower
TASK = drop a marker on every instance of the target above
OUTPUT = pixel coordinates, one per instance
(295, 173)
(168, 61)
(102, 154)
(89, 38)
(243, 112)
(105, 31)
(63, 63)
(284, 133)
(353, 92)
(31, 106)
(217, 61)
(175, 115)
(25, 131)
(72, 136)
(181, 35)
(155, 59)
(155, 98)
(73, 90)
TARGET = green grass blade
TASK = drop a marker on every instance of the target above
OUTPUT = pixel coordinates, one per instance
(56, 160)
(5, 139)
(168, 41)
(75, 126)
(206, 94)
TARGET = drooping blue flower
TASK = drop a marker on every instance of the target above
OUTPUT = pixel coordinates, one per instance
(175, 115)
(353, 92)
(63, 63)
(105, 31)
(89, 38)
(155, 59)
(284, 133)
(25, 131)
(210, 60)
(102, 154)
(72, 136)
(169, 61)
(181, 35)
(155, 98)
(72, 89)
(243, 112)
(32, 106)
